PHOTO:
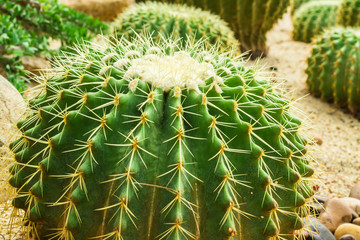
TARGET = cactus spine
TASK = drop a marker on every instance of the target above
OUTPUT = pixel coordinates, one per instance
(312, 18)
(143, 141)
(177, 21)
(249, 19)
(333, 67)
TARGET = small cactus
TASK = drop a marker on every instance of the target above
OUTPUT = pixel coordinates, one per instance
(249, 19)
(173, 20)
(349, 13)
(313, 18)
(155, 141)
(333, 67)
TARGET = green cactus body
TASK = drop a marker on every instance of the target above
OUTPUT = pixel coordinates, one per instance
(313, 18)
(141, 141)
(333, 67)
(249, 19)
(296, 4)
(349, 13)
(177, 21)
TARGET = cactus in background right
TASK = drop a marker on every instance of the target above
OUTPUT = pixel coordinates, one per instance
(249, 19)
(349, 13)
(296, 4)
(312, 18)
(333, 67)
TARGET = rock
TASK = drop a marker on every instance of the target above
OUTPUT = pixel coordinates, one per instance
(35, 64)
(355, 191)
(347, 237)
(105, 10)
(12, 106)
(338, 211)
(356, 221)
(348, 228)
(318, 140)
(316, 230)
(321, 198)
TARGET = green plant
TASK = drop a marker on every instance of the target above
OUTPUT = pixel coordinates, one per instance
(249, 19)
(26, 27)
(333, 67)
(137, 140)
(349, 13)
(296, 4)
(173, 20)
(313, 17)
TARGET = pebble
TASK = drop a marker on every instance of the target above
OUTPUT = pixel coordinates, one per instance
(356, 221)
(318, 140)
(348, 228)
(347, 237)
(318, 230)
(355, 191)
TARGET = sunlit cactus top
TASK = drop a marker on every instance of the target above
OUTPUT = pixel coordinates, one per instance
(157, 141)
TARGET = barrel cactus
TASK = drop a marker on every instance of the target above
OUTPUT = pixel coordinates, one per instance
(333, 67)
(296, 4)
(153, 141)
(177, 21)
(349, 13)
(249, 19)
(313, 18)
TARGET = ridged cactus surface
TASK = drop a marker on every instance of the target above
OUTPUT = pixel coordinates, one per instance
(333, 67)
(177, 21)
(296, 4)
(349, 13)
(249, 19)
(313, 18)
(142, 141)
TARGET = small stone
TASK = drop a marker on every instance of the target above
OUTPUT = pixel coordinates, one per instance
(356, 221)
(355, 191)
(347, 237)
(321, 198)
(318, 230)
(318, 141)
(348, 228)
(338, 211)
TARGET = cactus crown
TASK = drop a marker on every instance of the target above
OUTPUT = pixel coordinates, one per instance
(110, 151)
(176, 21)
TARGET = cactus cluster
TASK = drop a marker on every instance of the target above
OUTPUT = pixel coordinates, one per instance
(313, 18)
(141, 140)
(249, 19)
(333, 67)
(177, 21)
(349, 13)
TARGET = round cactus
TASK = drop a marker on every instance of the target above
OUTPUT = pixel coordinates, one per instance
(177, 21)
(155, 141)
(333, 67)
(312, 18)
(249, 19)
(349, 13)
(296, 4)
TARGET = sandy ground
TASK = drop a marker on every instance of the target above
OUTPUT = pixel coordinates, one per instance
(337, 159)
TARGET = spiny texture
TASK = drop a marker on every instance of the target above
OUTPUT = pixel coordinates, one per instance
(333, 67)
(136, 141)
(296, 4)
(312, 18)
(173, 20)
(249, 19)
(349, 13)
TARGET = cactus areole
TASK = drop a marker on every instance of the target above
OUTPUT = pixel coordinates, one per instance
(143, 141)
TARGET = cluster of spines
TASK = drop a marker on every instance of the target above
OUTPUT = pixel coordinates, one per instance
(333, 67)
(349, 13)
(224, 161)
(172, 20)
(313, 18)
(249, 19)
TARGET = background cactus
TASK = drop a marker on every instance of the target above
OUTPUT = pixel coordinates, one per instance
(172, 20)
(349, 13)
(333, 67)
(296, 4)
(313, 17)
(142, 141)
(249, 19)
